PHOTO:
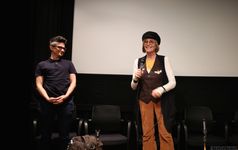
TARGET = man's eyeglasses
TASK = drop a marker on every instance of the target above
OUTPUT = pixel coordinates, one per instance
(59, 47)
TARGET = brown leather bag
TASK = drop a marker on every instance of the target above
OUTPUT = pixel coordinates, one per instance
(86, 142)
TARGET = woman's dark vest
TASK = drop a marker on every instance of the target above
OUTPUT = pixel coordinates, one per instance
(150, 81)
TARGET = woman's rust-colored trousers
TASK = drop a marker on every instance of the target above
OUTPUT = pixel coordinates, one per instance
(147, 118)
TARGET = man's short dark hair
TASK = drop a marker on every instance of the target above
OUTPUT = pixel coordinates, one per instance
(59, 39)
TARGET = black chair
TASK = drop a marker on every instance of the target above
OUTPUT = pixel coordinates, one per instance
(113, 131)
(176, 133)
(201, 129)
(233, 130)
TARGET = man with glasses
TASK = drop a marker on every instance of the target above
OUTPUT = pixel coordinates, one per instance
(55, 83)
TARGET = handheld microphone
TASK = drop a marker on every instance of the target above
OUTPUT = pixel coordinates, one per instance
(204, 132)
(142, 63)
(204, 126)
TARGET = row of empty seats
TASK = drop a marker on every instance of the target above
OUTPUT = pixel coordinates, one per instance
(197, 129)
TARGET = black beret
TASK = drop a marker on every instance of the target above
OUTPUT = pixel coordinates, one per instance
(151, 35)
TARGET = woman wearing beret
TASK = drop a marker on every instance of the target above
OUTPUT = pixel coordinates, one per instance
(154, 80)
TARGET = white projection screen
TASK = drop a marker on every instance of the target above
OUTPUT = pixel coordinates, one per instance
(200, 37)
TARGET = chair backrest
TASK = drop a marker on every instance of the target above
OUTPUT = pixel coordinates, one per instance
(236, 116)
(194, 116)
(106, 118)
(235, 119)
